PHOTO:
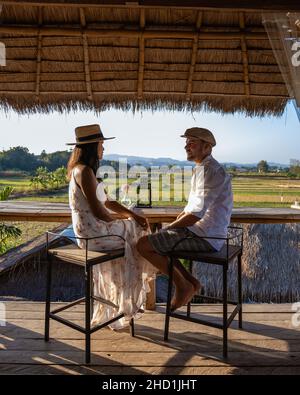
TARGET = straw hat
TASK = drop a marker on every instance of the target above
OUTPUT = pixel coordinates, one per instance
(202, 134)
(89, 134)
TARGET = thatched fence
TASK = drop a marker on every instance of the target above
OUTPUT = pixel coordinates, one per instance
(271, 271)
(271, 265)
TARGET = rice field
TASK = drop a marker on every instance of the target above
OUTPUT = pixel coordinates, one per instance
(248, 191)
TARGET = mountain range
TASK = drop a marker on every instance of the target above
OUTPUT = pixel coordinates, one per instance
(145, 161)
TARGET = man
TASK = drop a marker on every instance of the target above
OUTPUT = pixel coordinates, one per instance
(207, 213)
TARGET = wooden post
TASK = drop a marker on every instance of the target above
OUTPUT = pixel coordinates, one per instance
(151, 296)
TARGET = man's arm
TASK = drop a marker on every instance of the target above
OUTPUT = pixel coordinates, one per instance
(187, 219)
(207, 191)
(180, 214)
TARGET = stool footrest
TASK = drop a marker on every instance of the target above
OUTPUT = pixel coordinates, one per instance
(80, 328)
(104, 301)
(196, 320)
(71, 304)
(233, 314)
(68, 323)
(100, 326)
(215, 299)
(208, 323)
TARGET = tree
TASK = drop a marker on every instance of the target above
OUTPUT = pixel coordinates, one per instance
(295, 167)
(262, 166)
(41, 178)
(60, 176)
(18, 158)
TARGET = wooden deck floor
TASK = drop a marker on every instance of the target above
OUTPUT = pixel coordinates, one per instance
(268, 344)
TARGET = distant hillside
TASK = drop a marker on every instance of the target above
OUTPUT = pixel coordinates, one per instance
(134, 160)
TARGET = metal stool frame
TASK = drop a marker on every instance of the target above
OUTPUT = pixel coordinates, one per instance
(224, 300)
(88, 298)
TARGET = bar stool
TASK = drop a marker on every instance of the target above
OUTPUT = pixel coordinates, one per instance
(63, 249)
(222, 258)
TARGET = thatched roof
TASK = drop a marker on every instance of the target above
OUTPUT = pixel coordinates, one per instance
(84, 55)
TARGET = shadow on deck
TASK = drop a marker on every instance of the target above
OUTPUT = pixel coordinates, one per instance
(268, 344)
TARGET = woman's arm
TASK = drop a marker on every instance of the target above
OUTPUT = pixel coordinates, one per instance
(123, 211)
(87, 182)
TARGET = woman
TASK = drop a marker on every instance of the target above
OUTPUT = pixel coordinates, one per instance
(123, 281)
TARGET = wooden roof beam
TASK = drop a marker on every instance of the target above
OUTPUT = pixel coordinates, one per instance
(141, 55)
(194, 56)
(39, 54)
(86, 56)
(244, 54)
(149, 93)
(31, 30)
(253, 5)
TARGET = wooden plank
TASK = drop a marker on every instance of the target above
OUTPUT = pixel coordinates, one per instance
(155, 94)
(265, 345)
(54, 31)
(24, 252)
(278, 325)
(170, 358)
(274, 5)
(253, 317)
(125, 344)
(17, 369)
(56, 212)
(153, 330)
(140, 86)
(268, 308)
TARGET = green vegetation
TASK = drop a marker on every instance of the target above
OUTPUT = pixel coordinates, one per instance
(30, 177)
(19, 159)
(248, 191)
(49, 180)
(7, 232)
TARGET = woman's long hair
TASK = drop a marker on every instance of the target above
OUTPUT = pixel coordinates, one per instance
(84, 154)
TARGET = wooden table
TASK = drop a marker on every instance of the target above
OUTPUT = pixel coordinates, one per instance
(12, 210)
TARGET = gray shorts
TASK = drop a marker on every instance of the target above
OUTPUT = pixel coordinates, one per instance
(164, 241)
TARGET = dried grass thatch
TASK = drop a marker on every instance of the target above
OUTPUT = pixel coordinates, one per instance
(271, 266)
(67, 57)
(270, 269)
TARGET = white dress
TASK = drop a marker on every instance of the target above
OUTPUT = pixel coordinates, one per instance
(122, 281)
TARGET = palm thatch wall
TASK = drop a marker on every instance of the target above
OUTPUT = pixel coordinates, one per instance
(270, 266)
(75, 56)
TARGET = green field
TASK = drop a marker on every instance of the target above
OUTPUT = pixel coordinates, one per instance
(248, 191)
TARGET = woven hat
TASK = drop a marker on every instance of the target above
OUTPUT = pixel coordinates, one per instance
(89, 134)
(202, 134)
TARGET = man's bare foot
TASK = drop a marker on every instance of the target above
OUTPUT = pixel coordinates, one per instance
(183, 295)
(197, 285)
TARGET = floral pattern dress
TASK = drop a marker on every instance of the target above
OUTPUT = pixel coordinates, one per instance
(122, 281)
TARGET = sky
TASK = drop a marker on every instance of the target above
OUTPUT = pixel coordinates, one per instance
(239, 138)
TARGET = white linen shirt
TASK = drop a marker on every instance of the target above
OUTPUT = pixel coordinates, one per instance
(211, 200)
